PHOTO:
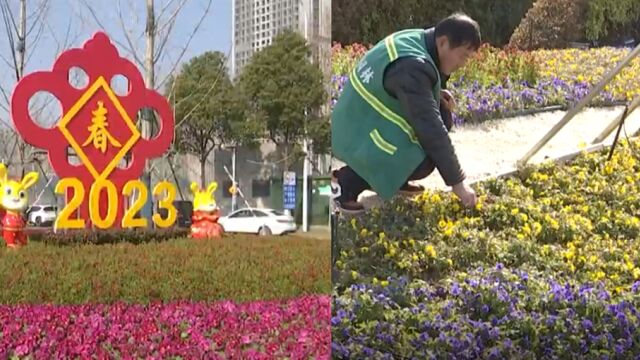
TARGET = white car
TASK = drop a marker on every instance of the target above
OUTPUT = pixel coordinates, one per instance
(258, 221)
(42, 215)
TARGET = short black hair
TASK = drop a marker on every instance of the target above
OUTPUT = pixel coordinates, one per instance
(460, 29)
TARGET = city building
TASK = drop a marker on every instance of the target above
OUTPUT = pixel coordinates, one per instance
(257, 22)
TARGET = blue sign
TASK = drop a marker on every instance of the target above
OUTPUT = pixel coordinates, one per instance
(289, 190)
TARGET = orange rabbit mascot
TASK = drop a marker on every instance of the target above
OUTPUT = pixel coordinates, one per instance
(204, 222)
(14, 199)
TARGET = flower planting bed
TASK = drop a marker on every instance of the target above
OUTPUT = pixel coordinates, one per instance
(237, 297)
(502, 83)
(296, 328)
(546, 266)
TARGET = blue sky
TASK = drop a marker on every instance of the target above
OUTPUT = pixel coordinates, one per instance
(72, 17)
(214, 33)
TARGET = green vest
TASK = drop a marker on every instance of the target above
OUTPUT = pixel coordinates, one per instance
(368, 127)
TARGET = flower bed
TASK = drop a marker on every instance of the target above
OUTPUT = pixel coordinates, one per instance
(297, 329)
(486, 314)
(497, 83)
(237, 267)
(575, 224)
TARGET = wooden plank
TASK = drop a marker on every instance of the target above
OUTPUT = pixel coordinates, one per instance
(581, 104)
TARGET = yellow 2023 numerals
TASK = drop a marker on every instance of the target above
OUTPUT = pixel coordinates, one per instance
(166, 203)
(63, 221)
(128, 220)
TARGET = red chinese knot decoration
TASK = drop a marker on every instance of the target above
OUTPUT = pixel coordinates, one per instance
(98, 125)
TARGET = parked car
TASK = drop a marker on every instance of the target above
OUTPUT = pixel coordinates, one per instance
(258, 221)
(42, 215)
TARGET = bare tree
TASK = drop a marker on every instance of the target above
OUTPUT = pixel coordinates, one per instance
(157, 33)
(24, 29)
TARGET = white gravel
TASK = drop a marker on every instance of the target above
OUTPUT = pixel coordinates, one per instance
(495, 146)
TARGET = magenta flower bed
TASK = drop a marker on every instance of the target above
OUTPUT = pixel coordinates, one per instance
(296, 329)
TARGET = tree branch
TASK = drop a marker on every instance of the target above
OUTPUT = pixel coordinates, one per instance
(38, 14)
(11, 16)
(6, 17)
(97, 20)
(6, 61)
(128, 37)
(164, 8)
(184, 49)
(35, 42)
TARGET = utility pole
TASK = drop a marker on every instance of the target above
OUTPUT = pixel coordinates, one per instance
(233, 175)
(147, 115)
(305, 144)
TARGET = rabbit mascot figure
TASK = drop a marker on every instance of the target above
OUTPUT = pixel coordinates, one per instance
(14, 200)
(205, 213)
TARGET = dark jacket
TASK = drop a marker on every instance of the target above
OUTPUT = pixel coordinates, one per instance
(410, 80)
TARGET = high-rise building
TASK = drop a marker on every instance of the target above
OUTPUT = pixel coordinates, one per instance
(257, 22)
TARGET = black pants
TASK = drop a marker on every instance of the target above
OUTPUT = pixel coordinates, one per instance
(351, 184)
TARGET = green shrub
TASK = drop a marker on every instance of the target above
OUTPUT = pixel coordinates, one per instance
(607, 15)
(551, 24)
(101, 237)
(237, 268)
(368, 21)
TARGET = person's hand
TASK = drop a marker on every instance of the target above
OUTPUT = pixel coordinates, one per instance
(447, 100)
(466, 194)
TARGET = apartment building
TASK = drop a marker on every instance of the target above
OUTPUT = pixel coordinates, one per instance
(257, 22)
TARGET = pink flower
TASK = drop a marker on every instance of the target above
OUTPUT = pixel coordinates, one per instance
(294, 328)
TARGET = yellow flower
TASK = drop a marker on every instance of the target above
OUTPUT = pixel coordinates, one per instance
(354, 274)
(630, 265)
(384, 283)
(364, 249)
(569, 254)
(515, 211)
(430, 251)
(636, 273)
(537, 228)
(449, 262)
(545, 249)
(619, 289)
(375, 280)
(414, 257)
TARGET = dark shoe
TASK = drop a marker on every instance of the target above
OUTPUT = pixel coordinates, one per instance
(344, 205)
(411, 189)
(350, 207)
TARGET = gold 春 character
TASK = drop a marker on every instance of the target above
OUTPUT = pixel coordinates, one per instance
(99, 133)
